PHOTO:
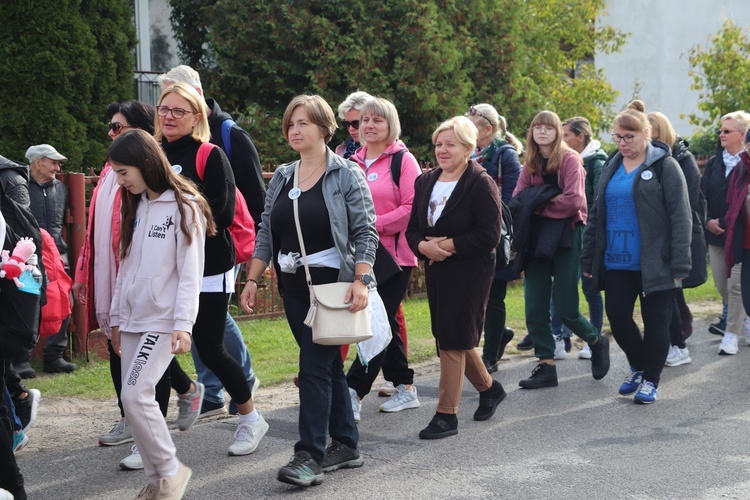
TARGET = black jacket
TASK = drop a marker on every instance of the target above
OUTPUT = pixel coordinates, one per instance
(14, 179)
(534, 236)
(714, 186)
(48, 203)
(248, 172)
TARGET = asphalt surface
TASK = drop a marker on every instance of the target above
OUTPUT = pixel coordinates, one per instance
(579, 440)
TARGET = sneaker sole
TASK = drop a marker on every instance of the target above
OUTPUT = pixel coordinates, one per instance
(534, 386)
(524, 348)
(213, 413)
(680, 362)
(639, 401)
(313, 481)
(405, 406)
(349, 464)
(628, 393)
(386, 393)
(20, 446)
(584, 356)
(439, 435)
(561, 356)
(242, 453)
(723, 352)
(117, 443)
(37, 397)
(715, 331)
(130, 467)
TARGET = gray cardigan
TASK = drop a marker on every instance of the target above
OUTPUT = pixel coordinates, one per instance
(350, 209)
(664, 220)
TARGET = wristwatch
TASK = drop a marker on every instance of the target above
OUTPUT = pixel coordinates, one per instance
(364, 278)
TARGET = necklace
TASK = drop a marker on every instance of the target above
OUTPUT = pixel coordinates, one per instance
(312, 173)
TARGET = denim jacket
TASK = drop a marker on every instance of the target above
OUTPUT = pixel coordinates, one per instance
(350, 208)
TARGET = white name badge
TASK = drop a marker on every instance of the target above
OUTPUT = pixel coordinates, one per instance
(294, 193)
(647, 175)
(372, 177)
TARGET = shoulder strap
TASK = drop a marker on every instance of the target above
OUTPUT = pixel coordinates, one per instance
(226, 130)
(200, 160)
(396, 161)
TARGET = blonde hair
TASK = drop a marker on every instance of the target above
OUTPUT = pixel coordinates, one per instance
(742, 119)
(499, 124)
(662, 128)
(355, 100)
(635, 121)
(384, 108)
(201, 131)
(318, 110)
(462, 127)
(533, 163)
(637, 105)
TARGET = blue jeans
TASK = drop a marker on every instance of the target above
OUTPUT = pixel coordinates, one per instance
(324, 400)
(596, 310)
(236, 348)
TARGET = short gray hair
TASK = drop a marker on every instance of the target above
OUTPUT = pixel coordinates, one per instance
(181, 74)
(355, 100)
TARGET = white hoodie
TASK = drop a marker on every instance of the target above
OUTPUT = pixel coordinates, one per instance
(160, 279)
(591, 148)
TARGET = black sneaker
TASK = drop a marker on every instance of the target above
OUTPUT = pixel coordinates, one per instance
(210, 409)
(340, 456)
(27, 408)
(58, 365)
(504, 341)
(526, 344)
(301, 470)
(488, 401)
(568, 344)
(544, 375)
(718, 328)
(442, 425)
(599, 357)
(24, 370)
(491, 366)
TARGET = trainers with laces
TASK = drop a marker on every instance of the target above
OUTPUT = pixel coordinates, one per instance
(340, 456)
(301, 470)
(543, 375)
(386, 390)
(132, 461)
(560, 349)
(356, 405)
(402, 400)
(26, 408)
(631, 383)
(120, 434)
(173, 487)
(678, 357)
(718, 327)
(646, 393)
(148, 492)
(728, 344)
(211, 409)
(526, 344)
(585, 353)
(247, 436)
(189, 406)
(20, 439)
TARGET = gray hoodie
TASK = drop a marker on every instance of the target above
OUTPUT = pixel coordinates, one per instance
(664, 221)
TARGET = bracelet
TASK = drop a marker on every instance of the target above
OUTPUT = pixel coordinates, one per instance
(254, 281)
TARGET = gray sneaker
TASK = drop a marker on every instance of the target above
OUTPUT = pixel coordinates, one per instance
(120, 434)
(356, 405)
(189, 406)
(403, 399)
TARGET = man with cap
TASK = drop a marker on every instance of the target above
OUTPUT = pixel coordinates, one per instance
(48, 204)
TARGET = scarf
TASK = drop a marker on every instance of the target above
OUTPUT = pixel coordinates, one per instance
(351, 148)
(730, 161)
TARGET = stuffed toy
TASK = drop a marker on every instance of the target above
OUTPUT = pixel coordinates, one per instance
(11, 266)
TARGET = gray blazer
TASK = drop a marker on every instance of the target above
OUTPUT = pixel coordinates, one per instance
(664, 220)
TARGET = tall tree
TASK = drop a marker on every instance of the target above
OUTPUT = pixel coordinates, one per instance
(59, 68)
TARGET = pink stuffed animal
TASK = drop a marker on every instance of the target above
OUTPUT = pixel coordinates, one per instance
(11, 266)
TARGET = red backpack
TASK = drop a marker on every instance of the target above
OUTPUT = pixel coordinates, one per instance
(243, 227)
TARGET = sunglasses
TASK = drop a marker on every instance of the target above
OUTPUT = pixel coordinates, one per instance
(117, 127)
(353, 123)
(177, 113)
(475, 112)
(726, 131)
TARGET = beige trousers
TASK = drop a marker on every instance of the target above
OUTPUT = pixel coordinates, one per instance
(730, 288)
(454, 364)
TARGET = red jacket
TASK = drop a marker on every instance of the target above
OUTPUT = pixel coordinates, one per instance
(58, 305)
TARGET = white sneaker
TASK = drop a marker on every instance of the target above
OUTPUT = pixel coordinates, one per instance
(729, 344)
(132, 461)
(247, 437)
(5, 494)
(356, 404)
(678, 357)
(585, 353)
(746, 327)
(386, 390)
(560, 349)
(403, 399)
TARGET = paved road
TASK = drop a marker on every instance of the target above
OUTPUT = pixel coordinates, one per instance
(577, 441)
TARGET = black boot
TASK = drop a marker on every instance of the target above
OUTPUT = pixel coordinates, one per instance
(58, 365)
(488, 401)
(599, 357)
(544, 375)
(506, 337)
(24, 370)
(442, 425)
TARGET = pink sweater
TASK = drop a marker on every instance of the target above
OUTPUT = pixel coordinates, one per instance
(571, 177)
(392, 204)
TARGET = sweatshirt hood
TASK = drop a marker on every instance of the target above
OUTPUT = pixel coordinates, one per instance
(217, 115)
(655, 151)
(10, 164)
(593, 148)
(360, 155)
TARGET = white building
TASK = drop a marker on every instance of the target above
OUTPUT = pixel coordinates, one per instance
(654, 58)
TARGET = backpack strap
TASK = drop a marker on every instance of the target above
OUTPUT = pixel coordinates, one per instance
(200, 160)
(226, 130)
(396, 161)
(497, 162)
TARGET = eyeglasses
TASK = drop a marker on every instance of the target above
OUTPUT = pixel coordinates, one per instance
(545, 128)
(177, 113)
(625, 138)
(475, 112)
(117, 127)
(726, 131)
(353, 123)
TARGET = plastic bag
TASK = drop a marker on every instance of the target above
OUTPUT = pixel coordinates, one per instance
(381, 329)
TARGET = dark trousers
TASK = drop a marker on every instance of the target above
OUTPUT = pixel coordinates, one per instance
(494, 321)
(55, 346)
(745, 280)
(646, 353)
(393, 359)
(675, 320)
(162, 387)
(11, 478)
(324, 400)
(208, 336)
